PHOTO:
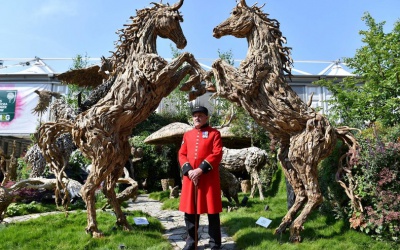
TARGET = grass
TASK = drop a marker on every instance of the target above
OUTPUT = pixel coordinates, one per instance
(321, 231)
(58, 232)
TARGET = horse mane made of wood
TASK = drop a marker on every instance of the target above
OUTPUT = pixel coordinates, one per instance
(140, 78)
(259, 86)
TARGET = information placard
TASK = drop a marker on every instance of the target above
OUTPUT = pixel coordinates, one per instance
(264, 222)
(141, 221)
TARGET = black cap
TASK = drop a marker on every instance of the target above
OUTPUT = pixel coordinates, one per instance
(200, 109)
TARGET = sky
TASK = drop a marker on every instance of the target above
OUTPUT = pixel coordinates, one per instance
(316, 30)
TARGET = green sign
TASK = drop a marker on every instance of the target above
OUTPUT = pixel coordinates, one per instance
(8, 99)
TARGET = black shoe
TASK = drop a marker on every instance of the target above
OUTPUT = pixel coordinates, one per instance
(188, 247)
(207, 246)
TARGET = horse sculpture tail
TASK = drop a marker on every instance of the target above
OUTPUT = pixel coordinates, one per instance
(346, 163)
(47, 141)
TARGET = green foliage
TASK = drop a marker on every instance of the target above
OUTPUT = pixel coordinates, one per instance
(77, 166)
(226, 56)
(335, 200)
(176, 103)
(79, 62)
(244, 125)
(158, 162)
(78, 160)
(18, 209)
(23, 170)
(159, 196)
(167, 203)
(374, 95)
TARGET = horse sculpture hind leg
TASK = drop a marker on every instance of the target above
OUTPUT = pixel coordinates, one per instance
(306, 151)
(109, 191)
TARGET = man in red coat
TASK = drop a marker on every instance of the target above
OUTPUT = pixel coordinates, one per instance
(199, 158)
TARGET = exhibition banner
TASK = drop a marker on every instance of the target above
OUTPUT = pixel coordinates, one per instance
(17, 101)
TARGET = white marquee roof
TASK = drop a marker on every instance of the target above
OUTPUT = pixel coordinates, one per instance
(41, 66)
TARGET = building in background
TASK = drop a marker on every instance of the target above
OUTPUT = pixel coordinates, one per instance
(17, 99)
(20, 77)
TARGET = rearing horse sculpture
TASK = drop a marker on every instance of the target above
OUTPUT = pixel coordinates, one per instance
(259, 86)
(141, 79)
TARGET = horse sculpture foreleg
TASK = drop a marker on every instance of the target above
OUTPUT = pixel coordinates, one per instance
(298, 188)
(233, 81)
(222, 72)
(171, 70)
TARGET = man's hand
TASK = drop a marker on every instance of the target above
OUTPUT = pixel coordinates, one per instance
(194, 175)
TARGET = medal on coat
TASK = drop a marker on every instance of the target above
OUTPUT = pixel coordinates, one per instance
(205, 134)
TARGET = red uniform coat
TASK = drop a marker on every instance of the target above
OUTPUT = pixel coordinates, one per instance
(199, 145)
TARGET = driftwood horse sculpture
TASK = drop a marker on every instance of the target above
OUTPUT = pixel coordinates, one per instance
(259, 86)
(250, 159)
(141, 79)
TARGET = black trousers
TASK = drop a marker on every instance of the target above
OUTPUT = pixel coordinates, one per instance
(214, 229)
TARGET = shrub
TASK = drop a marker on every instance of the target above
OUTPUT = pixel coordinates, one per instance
(377, 179)
(23, 170)
(378, 185)
(15, 209)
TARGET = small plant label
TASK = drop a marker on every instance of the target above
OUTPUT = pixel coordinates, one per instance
(141, 221)
(264, 222)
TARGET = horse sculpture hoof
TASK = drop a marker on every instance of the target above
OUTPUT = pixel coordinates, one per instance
(295, 239)
(127, 228)
(97, 234)
(282, 227)
(94, 233)
(295, 234)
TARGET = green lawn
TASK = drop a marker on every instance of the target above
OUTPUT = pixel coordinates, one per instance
(56, 232)
(320, 231)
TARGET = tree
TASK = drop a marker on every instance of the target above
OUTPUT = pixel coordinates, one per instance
(79, 62)
(375, 94)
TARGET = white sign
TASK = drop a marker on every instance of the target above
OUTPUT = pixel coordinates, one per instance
(17, 101)
(141, 221)
(264, 222)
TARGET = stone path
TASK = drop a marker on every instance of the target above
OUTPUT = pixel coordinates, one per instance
(171, 220)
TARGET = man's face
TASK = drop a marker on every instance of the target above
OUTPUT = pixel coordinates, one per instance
(199, 119)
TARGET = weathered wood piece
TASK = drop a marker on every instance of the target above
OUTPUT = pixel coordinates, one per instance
(259, 86)
(251, 160)
(229, 185)
(7, 194)
(139, 79)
